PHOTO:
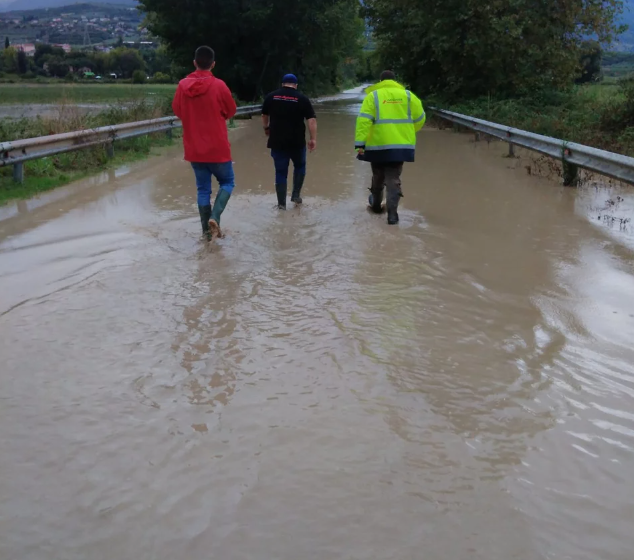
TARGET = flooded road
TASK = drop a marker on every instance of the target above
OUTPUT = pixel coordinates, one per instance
(318, 385)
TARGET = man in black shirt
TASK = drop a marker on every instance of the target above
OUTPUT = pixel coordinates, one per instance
(283, 115)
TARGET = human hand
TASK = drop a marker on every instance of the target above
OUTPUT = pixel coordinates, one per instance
(267, 131)
(312, 145)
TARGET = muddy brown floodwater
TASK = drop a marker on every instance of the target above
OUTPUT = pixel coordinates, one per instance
(319, 385)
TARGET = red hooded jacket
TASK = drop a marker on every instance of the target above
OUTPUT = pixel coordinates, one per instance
(203, 103)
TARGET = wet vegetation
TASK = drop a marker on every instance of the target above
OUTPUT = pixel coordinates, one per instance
(47, 173)
(597, 115)
(257, 42)
(520, 63)
(464, 49)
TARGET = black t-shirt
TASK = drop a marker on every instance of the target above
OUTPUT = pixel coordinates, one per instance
(287, 109)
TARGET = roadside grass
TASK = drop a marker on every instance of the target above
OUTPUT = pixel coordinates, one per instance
(598, 115)
(47, 173)
(27, 93)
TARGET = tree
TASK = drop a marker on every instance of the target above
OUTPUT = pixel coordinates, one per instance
(311, 38)
(22, 62)
(138, 77)
(7, 43)
(10, 62)
(591, 62)
(156, 60)
(56, 66)
(503, 47)
(44, 49)
(124, 62)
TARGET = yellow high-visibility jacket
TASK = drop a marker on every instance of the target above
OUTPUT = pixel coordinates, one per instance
(388, 122)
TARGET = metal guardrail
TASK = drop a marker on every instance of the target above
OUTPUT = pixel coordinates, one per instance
(573, 156)
(16, 152)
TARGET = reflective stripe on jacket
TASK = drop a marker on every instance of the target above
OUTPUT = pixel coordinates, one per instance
(388, 122)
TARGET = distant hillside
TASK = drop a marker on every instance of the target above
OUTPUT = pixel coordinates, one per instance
(23, 5)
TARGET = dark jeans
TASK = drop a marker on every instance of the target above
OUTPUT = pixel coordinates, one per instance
(389, 175)
(282, 159)
(223, 172)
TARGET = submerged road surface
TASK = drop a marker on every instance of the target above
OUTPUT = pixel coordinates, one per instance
(318, 385)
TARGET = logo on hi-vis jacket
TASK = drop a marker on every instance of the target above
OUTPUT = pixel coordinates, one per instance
(393, 101)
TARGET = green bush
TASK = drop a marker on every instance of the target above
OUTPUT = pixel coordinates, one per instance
(161, 78)
(138, 77)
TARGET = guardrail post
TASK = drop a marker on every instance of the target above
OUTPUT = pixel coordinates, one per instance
(169, 134)
(571, 174)
(18, 172)
(477, 136)
(110, 150)
(511, 150)
(570, 170)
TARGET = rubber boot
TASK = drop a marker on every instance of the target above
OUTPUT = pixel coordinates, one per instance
(298, 183)
(281, 196)
(222, 198)
(393, 198)
(205, 215)
(375, 200)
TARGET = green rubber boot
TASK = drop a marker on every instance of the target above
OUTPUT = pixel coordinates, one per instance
(220, 204)
(205, 215)
(298, 183)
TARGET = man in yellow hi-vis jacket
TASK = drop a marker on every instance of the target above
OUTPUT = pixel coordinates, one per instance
(386, 131)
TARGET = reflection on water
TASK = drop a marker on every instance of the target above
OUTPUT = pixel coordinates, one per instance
(318, 384)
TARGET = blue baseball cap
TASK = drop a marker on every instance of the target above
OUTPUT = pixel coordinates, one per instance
(289, 79)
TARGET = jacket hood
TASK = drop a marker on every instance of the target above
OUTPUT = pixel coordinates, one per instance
(384, 85)
(197, 83)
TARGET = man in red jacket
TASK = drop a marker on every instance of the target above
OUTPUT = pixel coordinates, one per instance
(204, 103)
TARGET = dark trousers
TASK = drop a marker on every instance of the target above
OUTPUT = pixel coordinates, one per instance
(282, 159)
(388, 175)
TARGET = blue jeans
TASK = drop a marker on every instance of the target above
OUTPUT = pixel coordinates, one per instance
(223, 172)
(282, 159)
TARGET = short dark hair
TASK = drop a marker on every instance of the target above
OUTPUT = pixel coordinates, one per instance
(204, 57)
(388, 75)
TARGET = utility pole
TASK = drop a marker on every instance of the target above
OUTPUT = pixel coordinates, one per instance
(86, 37)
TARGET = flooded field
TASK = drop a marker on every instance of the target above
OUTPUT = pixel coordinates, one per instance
(319, 385)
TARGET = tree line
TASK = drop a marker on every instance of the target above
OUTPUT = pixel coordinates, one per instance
(52, 61)
(258, 41)
(469, 48)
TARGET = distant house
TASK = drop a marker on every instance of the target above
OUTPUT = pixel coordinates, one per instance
(26, 48)
(65, 46)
